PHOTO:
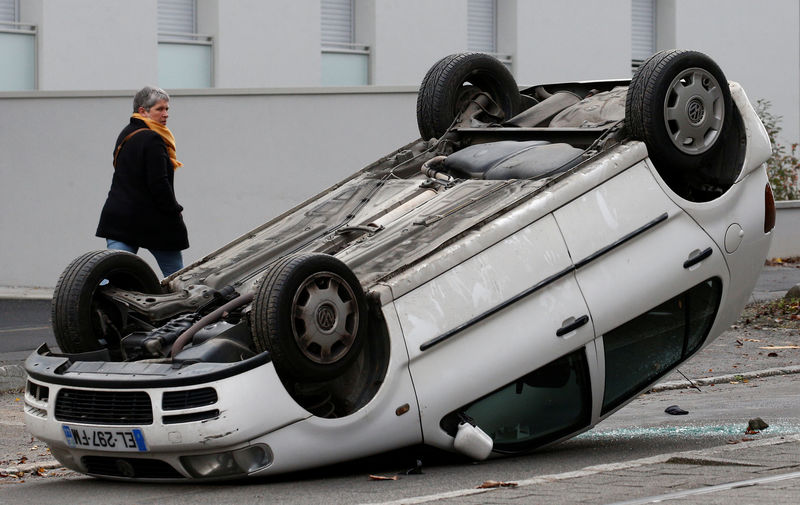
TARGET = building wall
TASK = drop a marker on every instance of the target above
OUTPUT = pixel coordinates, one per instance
(755, 43)
(265, 138)
(572, 40)
(405, 44)
(249, 156)
(88, 45)
(255, 48)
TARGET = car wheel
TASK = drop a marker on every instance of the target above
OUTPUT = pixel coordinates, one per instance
(310, 312)
(679, 104)
(453, 81)
(84, 320)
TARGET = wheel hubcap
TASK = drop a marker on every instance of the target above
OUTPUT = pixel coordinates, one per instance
(325, 318)
(694, 111)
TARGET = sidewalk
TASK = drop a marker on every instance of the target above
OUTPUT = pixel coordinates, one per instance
(13, 292)
(762, 471)
(737, 355)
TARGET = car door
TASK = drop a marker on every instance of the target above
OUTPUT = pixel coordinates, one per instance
(492, 320)
(640, 262)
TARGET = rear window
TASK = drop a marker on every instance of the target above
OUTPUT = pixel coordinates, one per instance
(647, 347)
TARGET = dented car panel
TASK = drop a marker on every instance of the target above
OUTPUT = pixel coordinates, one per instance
(556, 249)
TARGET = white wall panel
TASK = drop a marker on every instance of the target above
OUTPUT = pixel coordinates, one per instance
(248, 157)
(572, 40)
(263, 44)
(86, 44)
(755, 43)
(406, 42)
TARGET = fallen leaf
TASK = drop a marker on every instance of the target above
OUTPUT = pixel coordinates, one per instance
(731, 442)
(383, 477)
(769, 347)
(491, 484)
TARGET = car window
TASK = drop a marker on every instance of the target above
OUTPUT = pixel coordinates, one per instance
(647, 347)
(538, 408)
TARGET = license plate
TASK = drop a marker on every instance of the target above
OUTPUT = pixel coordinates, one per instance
(104, 439)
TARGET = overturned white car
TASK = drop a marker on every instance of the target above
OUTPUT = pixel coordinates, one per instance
(531, 264)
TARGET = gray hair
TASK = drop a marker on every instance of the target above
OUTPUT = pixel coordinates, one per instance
(147, 97)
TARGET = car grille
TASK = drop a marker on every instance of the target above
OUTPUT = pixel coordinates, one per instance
(190, 418)
(132, 468)
(104, 407)
(189, 399)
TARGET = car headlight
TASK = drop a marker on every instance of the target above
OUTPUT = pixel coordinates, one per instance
(229, 463)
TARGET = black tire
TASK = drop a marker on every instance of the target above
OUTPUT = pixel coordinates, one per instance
(310, 312)
(680, 105)
(79, 312)
(443, 94)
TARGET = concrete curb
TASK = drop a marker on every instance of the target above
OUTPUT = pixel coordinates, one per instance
(723, 379)
(30, 468)
(25, 293)
(12, 378)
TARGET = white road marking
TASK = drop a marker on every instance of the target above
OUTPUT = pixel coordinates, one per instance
(596, 469)
(709, 489)
(30, 328)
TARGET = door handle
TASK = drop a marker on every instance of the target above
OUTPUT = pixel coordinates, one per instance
(696, 257)
(572, 326)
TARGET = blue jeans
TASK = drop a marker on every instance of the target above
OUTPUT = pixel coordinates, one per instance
(169, 261)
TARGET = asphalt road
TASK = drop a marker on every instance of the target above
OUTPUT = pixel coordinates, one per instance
(719, 409)
(717, 418)
(25, 323)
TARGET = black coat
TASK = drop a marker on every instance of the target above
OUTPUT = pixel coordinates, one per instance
(141, 209)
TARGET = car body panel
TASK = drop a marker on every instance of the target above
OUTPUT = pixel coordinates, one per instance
(479, 294)
(633, 233)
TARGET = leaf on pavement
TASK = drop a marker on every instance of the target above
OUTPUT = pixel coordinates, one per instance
(491, 484)
(383, 477)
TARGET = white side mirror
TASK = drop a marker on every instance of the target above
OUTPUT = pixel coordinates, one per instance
(473, 442)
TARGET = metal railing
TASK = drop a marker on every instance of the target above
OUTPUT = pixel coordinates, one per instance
(185, 38)
(344, 48)
(14, 27)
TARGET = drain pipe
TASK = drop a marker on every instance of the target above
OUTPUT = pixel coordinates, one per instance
(187, 335)
(429, 171)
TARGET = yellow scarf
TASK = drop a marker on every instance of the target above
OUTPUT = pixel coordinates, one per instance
(165, 134)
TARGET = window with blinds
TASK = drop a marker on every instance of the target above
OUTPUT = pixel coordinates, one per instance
(337, 22)
(184, 56)
(482, 26)
(344, 62)
(643, 31)
(8, 11)
(17, 50)
(177, 16)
